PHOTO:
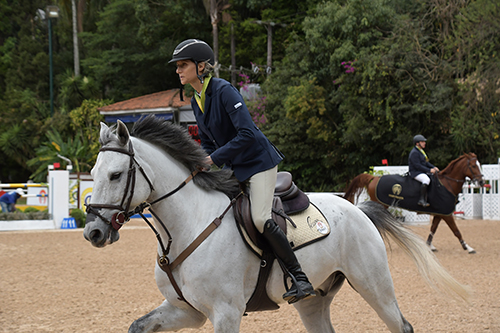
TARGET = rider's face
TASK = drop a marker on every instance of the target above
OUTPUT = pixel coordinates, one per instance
(421, 144)
(186, 69)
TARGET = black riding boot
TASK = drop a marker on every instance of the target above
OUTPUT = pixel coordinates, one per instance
(301, 287)
(423, 196)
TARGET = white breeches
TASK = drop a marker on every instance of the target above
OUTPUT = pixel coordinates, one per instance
(423, 178)
(261, 190)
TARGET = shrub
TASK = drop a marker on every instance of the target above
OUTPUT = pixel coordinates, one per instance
(18, 215)
(30, 210)
(79, 216)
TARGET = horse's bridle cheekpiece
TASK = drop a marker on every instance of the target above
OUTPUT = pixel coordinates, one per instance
(123, 215)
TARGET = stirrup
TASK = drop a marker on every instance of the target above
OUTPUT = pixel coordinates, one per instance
(423, 203)
(297, 294)
(300, 295)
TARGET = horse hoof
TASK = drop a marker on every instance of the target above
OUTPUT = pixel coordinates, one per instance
(471, 250)
(432, 247)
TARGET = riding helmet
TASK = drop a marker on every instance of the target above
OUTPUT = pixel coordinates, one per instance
(193, 49)
(418, 138)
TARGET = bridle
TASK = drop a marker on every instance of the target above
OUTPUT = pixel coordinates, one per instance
(476, 177)
(124, 213)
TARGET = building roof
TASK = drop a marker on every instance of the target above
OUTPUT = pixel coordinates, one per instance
(160, 102)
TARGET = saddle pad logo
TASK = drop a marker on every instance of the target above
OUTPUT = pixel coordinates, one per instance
(396, 191)
(318, 224)
(322, 228)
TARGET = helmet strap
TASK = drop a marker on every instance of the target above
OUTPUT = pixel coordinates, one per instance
(200, 77)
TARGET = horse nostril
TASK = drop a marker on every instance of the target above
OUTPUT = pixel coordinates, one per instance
(95, 236)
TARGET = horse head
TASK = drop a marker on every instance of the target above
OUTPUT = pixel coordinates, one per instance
(473, 169)
(115, 189)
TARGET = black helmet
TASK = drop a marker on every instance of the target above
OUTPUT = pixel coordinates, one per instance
(195, 50)
(418, 138)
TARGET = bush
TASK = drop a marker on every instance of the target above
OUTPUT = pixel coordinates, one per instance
(79, 216)
(30, 210)
(18, 215)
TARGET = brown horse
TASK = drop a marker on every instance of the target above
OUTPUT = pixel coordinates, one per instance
(452, 177)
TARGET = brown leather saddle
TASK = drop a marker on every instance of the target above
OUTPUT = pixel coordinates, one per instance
(288, 199)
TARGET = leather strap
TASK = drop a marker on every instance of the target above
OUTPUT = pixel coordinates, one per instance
(163, 263)
(167, 267)
(188, 250)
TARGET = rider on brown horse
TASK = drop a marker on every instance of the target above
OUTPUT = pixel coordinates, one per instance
(419, 167)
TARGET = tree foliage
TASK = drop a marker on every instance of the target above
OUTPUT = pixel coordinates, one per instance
(387, 74)
(352, 81)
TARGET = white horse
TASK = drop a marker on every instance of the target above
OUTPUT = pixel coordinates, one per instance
(219, 276)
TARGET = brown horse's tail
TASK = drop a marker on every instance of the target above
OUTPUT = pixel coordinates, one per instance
(357, 185)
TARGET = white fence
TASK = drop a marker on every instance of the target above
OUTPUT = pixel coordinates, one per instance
(474, 202)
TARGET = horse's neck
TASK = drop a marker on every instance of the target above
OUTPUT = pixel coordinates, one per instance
(186, 214)
(453, 177)
(188, 211)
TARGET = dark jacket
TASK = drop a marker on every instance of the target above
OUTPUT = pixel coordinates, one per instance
(417, 163)
(10, 197)
(229, 135)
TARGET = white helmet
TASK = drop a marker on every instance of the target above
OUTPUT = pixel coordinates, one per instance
(20, 191)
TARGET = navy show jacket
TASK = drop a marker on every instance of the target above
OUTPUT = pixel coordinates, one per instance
(417, 163)
(229, 135)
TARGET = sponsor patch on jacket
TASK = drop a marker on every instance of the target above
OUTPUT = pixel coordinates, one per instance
(237, 105)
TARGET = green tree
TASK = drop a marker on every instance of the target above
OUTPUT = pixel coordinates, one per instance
(474, 48)
(128, 53)
(81, 146)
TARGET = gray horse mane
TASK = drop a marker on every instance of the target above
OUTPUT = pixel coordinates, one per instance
(177, 142)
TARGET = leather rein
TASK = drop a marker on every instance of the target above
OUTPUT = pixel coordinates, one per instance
(123, 216)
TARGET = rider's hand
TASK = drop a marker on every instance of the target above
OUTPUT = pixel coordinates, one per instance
(209, 162)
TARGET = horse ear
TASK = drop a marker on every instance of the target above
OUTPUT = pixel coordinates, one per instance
(122, 133)
(104, 134)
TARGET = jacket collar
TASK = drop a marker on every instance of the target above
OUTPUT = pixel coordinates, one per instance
(208, 99)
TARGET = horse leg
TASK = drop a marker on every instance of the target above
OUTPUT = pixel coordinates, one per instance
(434, 226)
(167, 317)
(378, 292)
(368, 273)
(315, 312)
(454, 228)
(226, 318)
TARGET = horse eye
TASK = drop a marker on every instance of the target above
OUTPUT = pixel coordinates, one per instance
(115, 176)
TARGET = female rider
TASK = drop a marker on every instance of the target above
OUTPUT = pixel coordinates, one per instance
(230, 138)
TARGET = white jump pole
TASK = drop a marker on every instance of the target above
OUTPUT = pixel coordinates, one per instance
(15, 185)
(58, 196)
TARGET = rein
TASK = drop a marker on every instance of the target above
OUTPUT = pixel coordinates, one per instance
(123, 216)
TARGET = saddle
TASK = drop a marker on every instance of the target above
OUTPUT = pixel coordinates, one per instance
(404, 192)
(288, 200)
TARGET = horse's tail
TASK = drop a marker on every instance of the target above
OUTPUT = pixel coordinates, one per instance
(427, 263)
(357, 185)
